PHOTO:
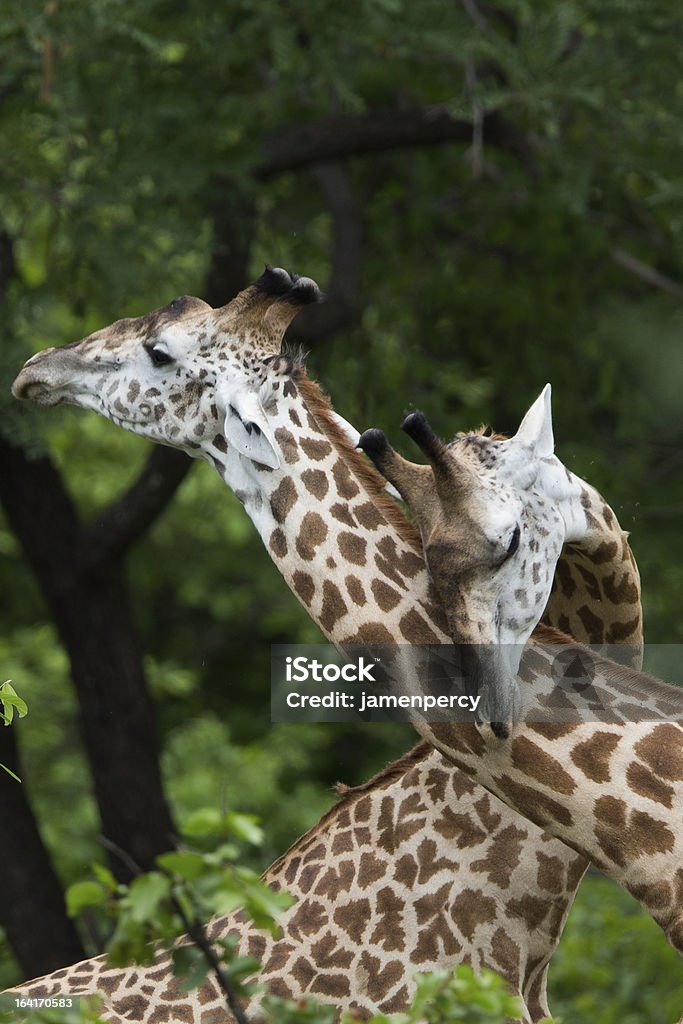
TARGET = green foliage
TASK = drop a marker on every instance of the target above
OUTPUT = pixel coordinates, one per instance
(10, 701)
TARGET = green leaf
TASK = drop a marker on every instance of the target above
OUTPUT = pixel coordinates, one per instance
(105, 877)
(203, 822)
(188, 865)
(190, 965)
(84, 894)
(145, 894)
(10, 700)
(10, 772)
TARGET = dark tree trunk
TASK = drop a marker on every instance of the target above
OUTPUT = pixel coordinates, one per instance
(32, 910)
(91, 609)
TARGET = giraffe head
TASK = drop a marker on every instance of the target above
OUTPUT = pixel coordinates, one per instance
(185, 375)
(494, 514)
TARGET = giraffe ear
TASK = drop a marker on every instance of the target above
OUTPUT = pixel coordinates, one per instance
(536, 429)
(246, 427)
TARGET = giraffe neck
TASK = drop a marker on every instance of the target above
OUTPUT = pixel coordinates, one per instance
(612, 787)
(393, 879)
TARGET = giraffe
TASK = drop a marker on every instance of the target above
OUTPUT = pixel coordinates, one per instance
(217, 384)
(387, 883)
(599, 766)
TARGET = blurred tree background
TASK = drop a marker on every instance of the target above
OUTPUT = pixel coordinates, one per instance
(491, 196)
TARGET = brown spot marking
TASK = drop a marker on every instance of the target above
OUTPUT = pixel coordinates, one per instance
(343, 514)
(333, 607)
(371, 870)
(430, 908)
(416, 629)
(460, 827)
(368, 515)
(623, 837)
(289, 389)
(387, 598)
(593, 755)
(592, 624)
(532, 909)
(294, 417)
(326, 953)
(304, 587)
(257, 946)
(646, 784)
(308, 918)
(381, 980)
(662, 751)
(355, 590)
(389, 931)
(331, 564)
(507, 956)
(621, 631)
(220, 443)
(544, 808)
(605, 552)
(472, 908)
(533, 761)
(288, 446)
(563, 577)
(316, 450)
(312, 534)
(550, 873)
(278, 543)
(304, 972)
(353, 918)
(405, 871)
(395, 1003)
(352, 547)
(625, 592)
(337, 879)
(551, 730)
(346, 486)
(502, 856)
(408, 563)
(133, 391)
(283, 499)
(370, 633)
(316, 482)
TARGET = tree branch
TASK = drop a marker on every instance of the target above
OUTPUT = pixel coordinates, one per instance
(339, 138)
(647, 273)
(129, 517)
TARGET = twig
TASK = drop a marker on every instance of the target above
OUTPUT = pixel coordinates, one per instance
(647, 273)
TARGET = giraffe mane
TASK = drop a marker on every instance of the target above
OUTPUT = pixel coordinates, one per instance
(320, 406)
(349, 795)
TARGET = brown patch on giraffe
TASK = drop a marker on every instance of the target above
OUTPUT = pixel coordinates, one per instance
(343, 514)
(316, 482)
(316, 450)
(294, 417)
(346, 485)
(624, 836)
(287, 444)
(435, 783)
(407, 562)
(545, 808)
(471, 908)
(312, 533)
(283, 499)
(590, 582)
(381, 978)
(551, 730)
(643, 782)
(620, 632)
(387, 569)
(164, 1014)
(308, 918)
(304, 587)
(386, 597)
(368, 515)
(257, 946)
(355, 591)
(535, 762)
(662, 751)
(435, 937)
(370, 870)
(594, 754)
(352, 547)
(279, 957)
(342, 843)
(395, 1003)
(605, 552)
(333, 608)
(489, 817)
(452, 825)
(507, 955)
(331, 564)
(593, 625)
(353, 918)
(532, 909)
(303, 972)
(389, 932)
(370, 633)
(339, 878)
(416, 630)
(549, 875)
(278, 543)
(625, 592)
(502, 856)
(405, 870)
(326, 953)
(429, 862)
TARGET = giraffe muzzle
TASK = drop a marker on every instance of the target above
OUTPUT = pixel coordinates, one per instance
(46, 377)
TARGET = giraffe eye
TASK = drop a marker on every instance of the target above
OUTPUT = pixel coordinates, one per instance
(514, 543)
(159, 356)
